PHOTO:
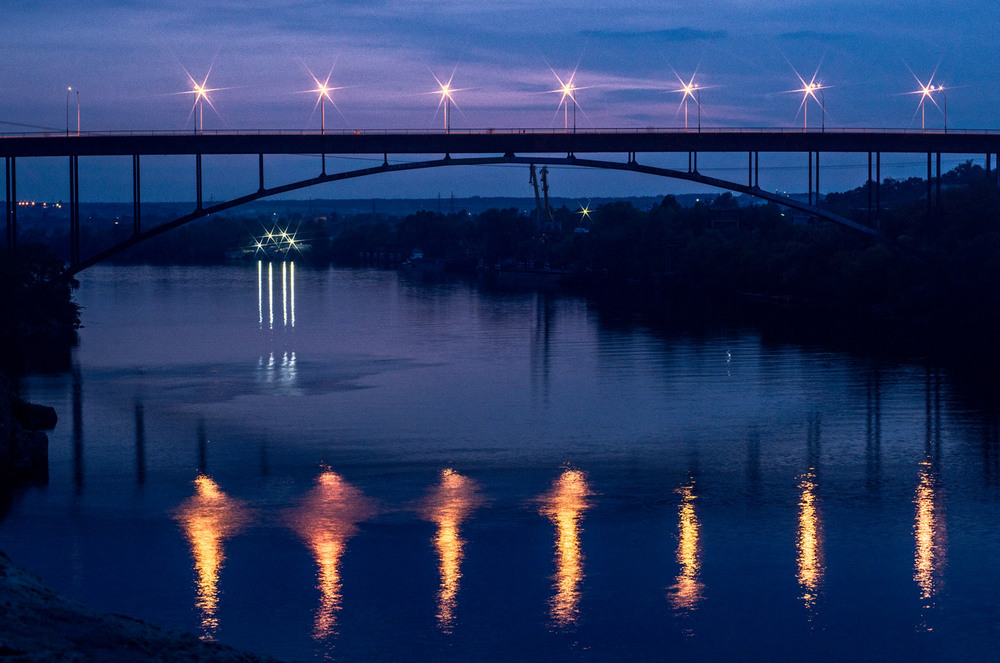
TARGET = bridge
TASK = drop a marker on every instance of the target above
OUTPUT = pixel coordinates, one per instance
(491, 146)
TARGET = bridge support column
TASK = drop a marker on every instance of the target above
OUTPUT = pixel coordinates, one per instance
(929, 184)
(878, 191)
(810, 178)
(197, 178)
(11, 203)
(817, 178)
(756, 170)
(74, 210)
(869, 187)
(937, 196)
(750, 169)
(260, 171)
(136, 197)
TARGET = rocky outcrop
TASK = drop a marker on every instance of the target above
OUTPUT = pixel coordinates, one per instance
(40, 625)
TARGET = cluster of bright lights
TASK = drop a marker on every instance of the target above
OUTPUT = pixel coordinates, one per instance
(277, 240)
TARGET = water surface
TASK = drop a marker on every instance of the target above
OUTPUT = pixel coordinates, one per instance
(355, 465)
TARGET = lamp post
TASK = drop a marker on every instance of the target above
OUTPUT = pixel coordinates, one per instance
(822, 107)
(77, 112)
(943, 94)
(68, 90)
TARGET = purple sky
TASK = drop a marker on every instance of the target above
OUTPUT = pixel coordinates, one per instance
(131, 64)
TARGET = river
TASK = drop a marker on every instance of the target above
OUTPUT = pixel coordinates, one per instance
(356, 465)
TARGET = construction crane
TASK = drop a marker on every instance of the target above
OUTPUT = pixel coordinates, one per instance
(540, 216)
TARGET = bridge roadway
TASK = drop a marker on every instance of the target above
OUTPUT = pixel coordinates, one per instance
(512, 141)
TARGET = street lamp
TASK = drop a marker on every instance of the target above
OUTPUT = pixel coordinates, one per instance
(692, 90)
(68, 90)
(943, 94)
(926, 92)
(809, 90)
(446, 91)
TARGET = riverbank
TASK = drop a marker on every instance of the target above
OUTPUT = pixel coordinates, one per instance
(40, 625)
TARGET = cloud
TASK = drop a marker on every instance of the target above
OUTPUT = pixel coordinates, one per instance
(671, 35)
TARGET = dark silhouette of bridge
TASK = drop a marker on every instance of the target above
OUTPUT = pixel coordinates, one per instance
(465, 148)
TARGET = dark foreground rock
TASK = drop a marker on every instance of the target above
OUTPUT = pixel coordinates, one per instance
(39, 625)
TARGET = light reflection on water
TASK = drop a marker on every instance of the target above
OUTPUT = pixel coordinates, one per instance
(564, 505)
(810, 542)
(448, 504)
(388, 381)
(325, 520)
(686, 592)
(208, 518)
(930, 539)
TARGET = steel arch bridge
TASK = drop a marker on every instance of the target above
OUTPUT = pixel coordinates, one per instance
(503, 147)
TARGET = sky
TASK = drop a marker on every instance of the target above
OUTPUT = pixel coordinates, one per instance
(134, 62)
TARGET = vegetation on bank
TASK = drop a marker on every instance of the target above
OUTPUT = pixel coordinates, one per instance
(38, 317)
(716, 248)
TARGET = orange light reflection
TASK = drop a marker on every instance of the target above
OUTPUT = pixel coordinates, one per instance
(810, 541)
(686, 592)
(208, 518)
(563, 505)
(450, 503)
(326, 518)
(930, 540)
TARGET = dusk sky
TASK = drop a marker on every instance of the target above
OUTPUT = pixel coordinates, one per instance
(131, 63)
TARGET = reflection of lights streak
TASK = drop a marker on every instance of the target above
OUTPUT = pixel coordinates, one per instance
(270, 295)
(563, 505)
(325, 520)
(291, 270)
(450, 503)
(810, 541)
(929, 536)
(260, 293)
(284, 294)
(208, 518)
(687, 588)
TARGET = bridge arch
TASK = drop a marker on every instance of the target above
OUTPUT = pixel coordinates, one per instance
(570, 160)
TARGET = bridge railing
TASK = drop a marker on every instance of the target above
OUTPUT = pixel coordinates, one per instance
(494, 130)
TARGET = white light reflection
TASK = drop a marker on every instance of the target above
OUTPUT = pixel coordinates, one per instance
(260, 294)
(325, 520)
(564, 505)
(270, 295)
(291, 269)
(284, 294)
(208, 518)
(450, 502)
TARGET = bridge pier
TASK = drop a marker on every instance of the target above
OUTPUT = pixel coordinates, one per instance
(929, 184)
(136, 197)
(197, 177)
(937, 197)
(810, 178)
(260, 171)
(11, 203)
(74, 210)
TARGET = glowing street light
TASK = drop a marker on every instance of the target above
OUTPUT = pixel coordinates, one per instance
(568, 90)
(447, 96)
(926, 92)
(200, 92)
(809, 90)
(692, 90)
(323, 91)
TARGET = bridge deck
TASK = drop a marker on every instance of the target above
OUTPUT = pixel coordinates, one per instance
(519, 142)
